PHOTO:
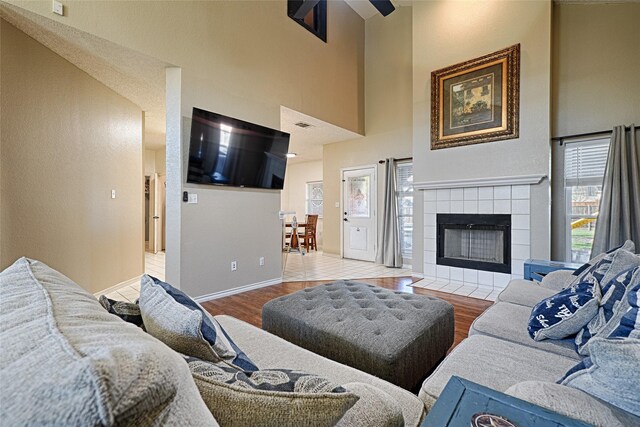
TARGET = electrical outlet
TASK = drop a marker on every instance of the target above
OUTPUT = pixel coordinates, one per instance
(234, 265)
(113, 194)
(261, 261)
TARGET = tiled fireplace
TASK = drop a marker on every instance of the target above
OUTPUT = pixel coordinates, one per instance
(510, 202)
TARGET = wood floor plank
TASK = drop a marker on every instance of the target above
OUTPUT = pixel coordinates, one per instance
(247, 306)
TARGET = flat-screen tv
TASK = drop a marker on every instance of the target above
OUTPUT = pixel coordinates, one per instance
(228, 151)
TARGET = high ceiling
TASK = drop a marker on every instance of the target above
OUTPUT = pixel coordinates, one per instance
(135, 76)
(141, 79)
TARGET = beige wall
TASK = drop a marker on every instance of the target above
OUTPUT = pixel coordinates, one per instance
(294, 194)
(481, 28)
(67, 141)
(596, 64)
(243, 59)
(388, 115)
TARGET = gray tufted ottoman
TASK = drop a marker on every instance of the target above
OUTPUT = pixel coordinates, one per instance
(395, 336)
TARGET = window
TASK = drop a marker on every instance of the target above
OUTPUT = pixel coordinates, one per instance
(404, 194)
(314, 198)
(584, 166)
(311, 14)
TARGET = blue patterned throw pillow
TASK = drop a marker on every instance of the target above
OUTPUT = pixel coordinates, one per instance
(613, 305)
(611, 372)
(608, 265)
(629, 326)
(181, 323)
(564, 313)
(271, 397)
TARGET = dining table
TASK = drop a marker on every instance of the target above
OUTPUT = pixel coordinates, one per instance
(294, 235)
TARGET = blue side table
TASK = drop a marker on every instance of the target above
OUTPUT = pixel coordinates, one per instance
(536, 269)
(461, 400)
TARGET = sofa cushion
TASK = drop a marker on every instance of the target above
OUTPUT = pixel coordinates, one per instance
(573, 403)
(274, 397)
(509, 322)
(564, 313)
(127, 311)
(181, 323)
(610, 373)
(270, 352)
(66, 361)
(558, 280)
(613, 305)
(494, 363)
(524, 292)
(375, 408)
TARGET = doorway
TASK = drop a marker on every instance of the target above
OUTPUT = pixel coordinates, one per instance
(155, 188)
(359, 216)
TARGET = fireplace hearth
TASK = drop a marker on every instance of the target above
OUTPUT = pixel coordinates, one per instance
(474, 241)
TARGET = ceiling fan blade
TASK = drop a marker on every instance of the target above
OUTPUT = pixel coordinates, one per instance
(385, 7)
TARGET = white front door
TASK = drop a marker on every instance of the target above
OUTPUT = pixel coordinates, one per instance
(359, 226)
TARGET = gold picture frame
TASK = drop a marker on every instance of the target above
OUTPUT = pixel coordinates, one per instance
(476, 101)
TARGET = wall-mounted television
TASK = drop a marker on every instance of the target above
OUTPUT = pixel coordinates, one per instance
(228, 151)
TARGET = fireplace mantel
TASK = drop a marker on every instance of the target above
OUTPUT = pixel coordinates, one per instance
(480, 182)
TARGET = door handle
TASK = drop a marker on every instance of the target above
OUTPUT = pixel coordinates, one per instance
(156, 217)
(345, 219)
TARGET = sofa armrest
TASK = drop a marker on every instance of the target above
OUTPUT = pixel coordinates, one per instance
(375, 408)
(573, 403)
(557, 280)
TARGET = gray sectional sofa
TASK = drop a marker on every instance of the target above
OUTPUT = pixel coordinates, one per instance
(500, 354)
(64, 360)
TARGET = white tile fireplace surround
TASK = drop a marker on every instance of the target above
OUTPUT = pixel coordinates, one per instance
(509, 195)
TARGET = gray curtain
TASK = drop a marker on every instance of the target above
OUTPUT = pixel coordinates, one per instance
(389, 250)
(619, 214)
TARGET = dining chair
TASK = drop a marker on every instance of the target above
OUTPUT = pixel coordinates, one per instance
(310, 241)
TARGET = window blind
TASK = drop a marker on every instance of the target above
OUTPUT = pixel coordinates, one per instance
(585, 162)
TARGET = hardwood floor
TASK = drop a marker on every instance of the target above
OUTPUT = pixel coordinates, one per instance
(247, 306)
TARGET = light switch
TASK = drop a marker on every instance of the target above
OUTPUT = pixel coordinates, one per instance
(193, 198)
(113, 194)
(337, 204)
(58, 8)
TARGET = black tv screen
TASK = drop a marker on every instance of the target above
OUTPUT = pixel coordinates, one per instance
(228, 151)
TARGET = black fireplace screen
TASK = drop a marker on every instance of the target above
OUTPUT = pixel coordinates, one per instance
(479, 242)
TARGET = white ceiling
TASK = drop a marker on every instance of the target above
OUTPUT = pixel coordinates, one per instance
(135, 76)
(307, 142)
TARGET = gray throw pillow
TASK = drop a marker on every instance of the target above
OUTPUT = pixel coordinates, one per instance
(610, 373)
(274, 397)
(181, 323)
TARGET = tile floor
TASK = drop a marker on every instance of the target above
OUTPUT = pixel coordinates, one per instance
(316, 266)
(457, 288)
(153, 265)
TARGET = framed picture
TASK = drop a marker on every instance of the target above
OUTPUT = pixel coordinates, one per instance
(476, 101)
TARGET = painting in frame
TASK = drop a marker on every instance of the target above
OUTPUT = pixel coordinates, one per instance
(476, 101)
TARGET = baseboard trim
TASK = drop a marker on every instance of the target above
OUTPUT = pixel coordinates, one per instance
(119, 286)
(238, 290)
(330, 255)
